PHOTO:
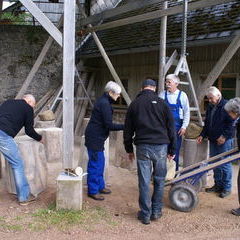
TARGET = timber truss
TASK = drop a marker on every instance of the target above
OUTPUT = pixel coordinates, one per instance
(91, 25)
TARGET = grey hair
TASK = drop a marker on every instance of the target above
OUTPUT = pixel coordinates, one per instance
(112, 86)
(214, 91)
(29, 97)
(173, 77)
(233, 105)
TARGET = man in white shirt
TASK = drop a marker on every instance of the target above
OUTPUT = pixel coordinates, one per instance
(178, 102)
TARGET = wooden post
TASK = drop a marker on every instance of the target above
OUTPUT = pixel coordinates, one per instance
(219, 67)
(68, 82)
(162, 52)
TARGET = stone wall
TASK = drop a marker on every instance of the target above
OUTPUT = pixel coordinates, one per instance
(19, 49)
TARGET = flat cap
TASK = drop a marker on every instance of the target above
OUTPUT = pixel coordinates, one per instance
(149, 82)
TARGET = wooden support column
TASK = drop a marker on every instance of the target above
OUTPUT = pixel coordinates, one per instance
(162, 52)
(219, 67)
(43, 20)
(68, 82)
(1, 7)
(37, 64)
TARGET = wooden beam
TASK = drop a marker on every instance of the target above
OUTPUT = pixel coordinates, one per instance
(156, 14)
(170, 62)
(43, 20)
(219, 67)
(118, 10)
(162, 51)
(37, 64)
(68, 83)
(108, 62)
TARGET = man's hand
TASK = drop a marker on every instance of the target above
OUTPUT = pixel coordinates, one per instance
(181, 132)
(221, 140)
(131, 157)
(171, 157)
(199, 139)
(42, 141)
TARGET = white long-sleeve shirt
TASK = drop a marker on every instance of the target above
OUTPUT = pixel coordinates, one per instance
(184, 112)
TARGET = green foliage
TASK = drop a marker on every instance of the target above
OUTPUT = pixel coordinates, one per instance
(19, 19)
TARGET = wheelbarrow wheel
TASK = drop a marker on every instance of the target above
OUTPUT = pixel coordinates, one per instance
(183, 197)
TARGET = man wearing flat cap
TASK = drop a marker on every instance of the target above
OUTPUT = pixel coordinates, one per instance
(149, 124)
(178, 103)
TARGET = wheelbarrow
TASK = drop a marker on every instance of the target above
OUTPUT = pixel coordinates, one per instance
(183, 194)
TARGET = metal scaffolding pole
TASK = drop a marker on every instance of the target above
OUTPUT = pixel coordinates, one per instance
(162, 52)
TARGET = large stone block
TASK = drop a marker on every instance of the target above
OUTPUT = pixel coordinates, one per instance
(69, 192)
(53, 142)
(35, 162)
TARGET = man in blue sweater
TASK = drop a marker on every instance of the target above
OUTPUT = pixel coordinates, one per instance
(15, 114)
(218, 128)
(96, 133)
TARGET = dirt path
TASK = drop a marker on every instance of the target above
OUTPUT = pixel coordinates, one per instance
(115, 218)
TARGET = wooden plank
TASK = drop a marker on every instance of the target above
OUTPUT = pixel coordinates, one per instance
(155, 14)
(37, 64)
(68, 83)
(162, 51)
(116, 11)
(43, 20)
(203, 169)
(219, 67)
(170, 62)
(84, 106)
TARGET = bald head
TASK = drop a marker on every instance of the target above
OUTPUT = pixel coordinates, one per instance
(30, 99)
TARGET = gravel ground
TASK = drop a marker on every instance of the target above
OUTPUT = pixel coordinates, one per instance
(210, 220)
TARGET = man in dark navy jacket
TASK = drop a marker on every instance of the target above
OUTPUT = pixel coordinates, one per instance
(218, 128)
(96, 133)
(15, 114)
(150, 125)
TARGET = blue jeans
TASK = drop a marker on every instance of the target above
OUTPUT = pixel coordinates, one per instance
(178, 147)
(148, 156)
(9, 149)
(223, 173)
(95, 170)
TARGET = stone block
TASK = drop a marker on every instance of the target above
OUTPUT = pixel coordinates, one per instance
(69, 192)
(45, 124)
(53, 143)
(35, 163)
(47, 115)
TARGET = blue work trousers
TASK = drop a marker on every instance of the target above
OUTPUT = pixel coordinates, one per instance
(95, 170)
(223, 173)
(10, 150)
(148, 156)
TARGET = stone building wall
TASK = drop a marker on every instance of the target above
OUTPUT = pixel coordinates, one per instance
(19, 49)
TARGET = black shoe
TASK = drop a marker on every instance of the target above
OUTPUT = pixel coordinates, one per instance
(213, 189)
(224, 194)
(236, 211)
(97, 197)
(155, 217)
(105, 191)
(144, 220)
(30, 199)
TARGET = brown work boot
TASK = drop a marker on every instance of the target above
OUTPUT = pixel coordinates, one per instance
(97, 197)
(105, 191)
(30, 199)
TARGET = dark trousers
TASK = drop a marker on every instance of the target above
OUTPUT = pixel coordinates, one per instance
(238, 185)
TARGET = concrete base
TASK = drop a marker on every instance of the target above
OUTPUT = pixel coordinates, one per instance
(35, 163)
(53, 143)
(69, 192)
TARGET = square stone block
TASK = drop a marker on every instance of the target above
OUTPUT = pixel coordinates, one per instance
(69, 192)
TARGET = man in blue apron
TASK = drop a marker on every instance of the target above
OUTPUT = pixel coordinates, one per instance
(178, 102)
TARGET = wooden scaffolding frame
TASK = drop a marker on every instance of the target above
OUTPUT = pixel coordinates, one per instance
(67, 41)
